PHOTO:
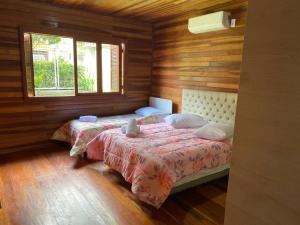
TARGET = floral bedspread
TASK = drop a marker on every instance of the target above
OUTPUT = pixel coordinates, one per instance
(78, 134)
(160, 156)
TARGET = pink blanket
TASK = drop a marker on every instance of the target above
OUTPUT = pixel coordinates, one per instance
(159, 157)
(78, 134)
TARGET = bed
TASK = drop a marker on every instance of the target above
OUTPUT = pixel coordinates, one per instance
(164, 160)
(78, 134)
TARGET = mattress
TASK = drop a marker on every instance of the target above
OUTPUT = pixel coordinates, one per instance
(158, 158)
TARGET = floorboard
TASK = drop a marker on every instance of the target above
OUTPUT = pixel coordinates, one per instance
(46, 186)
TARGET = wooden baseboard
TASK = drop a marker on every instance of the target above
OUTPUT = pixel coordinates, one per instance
(34, 146)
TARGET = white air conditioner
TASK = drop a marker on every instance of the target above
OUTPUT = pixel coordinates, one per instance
(210, 22)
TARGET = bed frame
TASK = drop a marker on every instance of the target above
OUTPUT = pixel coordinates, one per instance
(219, 107)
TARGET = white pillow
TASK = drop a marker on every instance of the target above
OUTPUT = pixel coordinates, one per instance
(185, 120)
(148, 111)
(161, 116)
(215, 131)
(157, 118)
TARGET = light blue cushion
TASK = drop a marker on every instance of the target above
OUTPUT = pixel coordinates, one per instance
(88, 118)
(148, 111)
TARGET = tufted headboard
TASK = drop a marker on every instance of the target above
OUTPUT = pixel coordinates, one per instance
(219, 107)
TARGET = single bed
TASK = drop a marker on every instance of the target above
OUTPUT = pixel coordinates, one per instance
(78, 133)
(164, 160)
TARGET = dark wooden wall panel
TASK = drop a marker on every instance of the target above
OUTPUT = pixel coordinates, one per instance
(26, 123)
(207, 61)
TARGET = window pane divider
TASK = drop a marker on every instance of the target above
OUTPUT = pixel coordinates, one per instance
(120, 67)
(32, 68)
(75, 66)
(99, 68)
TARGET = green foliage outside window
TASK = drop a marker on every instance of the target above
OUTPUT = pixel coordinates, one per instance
(44, 75)
(44, 39)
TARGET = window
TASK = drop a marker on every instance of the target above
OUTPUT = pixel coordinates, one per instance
(57, 66)
(53, 65)
(87, 67)
(110, 68)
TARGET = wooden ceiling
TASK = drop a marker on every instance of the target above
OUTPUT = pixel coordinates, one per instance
(146, 10)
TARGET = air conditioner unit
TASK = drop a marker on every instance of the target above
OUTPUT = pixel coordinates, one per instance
(210, 22)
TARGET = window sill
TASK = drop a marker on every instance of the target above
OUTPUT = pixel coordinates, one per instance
(79, 97)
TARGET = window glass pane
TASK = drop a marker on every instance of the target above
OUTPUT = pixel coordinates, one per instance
(110, 68)
(53, 65)
(87, 67)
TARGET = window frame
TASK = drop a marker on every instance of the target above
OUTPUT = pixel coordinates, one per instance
(121, 71)
(78, 36)
(98, 58)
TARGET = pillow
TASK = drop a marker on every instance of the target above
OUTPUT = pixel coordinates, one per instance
(157, 118)
(215, 131)
(185, 120)
(148, 111)
(161, 116)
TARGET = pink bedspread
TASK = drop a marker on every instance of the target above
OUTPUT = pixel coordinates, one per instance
(78, 134)
(159, 157)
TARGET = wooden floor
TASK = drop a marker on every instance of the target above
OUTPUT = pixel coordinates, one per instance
(47, 187)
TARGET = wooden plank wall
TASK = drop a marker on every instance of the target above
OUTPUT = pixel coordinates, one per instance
(207, 61)
(264, 178)
(26, 123)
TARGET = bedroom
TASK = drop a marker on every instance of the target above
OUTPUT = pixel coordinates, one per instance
(157, 56)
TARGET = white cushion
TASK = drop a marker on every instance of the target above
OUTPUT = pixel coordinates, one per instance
(215, 131)
(148, 111)
(185, 120)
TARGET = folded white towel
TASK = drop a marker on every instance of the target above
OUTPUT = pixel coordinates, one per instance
(123, 129)
(88, 118)
(132, 130)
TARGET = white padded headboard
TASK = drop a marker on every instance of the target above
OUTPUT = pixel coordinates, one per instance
(219, 107)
